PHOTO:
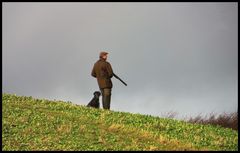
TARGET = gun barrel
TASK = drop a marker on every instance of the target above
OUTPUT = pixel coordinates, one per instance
(119, 79)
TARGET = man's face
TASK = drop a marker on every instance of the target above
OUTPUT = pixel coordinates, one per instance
(105, 57)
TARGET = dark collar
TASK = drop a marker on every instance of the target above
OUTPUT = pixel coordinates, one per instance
(102, 60)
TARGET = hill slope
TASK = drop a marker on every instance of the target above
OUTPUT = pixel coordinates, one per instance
(39, 124)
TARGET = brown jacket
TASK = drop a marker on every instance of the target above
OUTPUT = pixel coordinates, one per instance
(102, 70)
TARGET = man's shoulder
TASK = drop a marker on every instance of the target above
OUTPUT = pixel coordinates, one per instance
(107, 62)
(98, 61)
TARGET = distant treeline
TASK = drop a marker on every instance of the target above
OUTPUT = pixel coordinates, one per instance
(227, 120)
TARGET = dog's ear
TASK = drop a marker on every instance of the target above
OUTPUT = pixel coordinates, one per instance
(95, 93)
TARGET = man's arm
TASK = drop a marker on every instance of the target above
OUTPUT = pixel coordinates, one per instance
(94, 72)
(109, 70)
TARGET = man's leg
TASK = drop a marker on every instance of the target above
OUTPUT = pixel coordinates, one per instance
(106, 97)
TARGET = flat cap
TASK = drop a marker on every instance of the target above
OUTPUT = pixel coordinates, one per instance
(103, 53)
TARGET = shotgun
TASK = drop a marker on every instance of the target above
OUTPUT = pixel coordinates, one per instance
(119, 79)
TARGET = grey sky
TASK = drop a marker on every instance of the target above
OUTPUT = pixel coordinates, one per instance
(179, 57)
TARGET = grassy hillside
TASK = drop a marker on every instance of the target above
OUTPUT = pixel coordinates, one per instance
(39, 124)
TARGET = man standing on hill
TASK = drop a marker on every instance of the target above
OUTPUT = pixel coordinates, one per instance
(102, 70)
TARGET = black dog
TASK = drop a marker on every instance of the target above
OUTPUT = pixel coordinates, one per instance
(95, 101)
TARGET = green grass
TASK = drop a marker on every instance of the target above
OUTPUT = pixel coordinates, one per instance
(40, 124)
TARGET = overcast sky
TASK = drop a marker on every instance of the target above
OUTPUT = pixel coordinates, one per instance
(180, 57)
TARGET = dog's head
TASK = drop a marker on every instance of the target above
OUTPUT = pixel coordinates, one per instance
(97, 93)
